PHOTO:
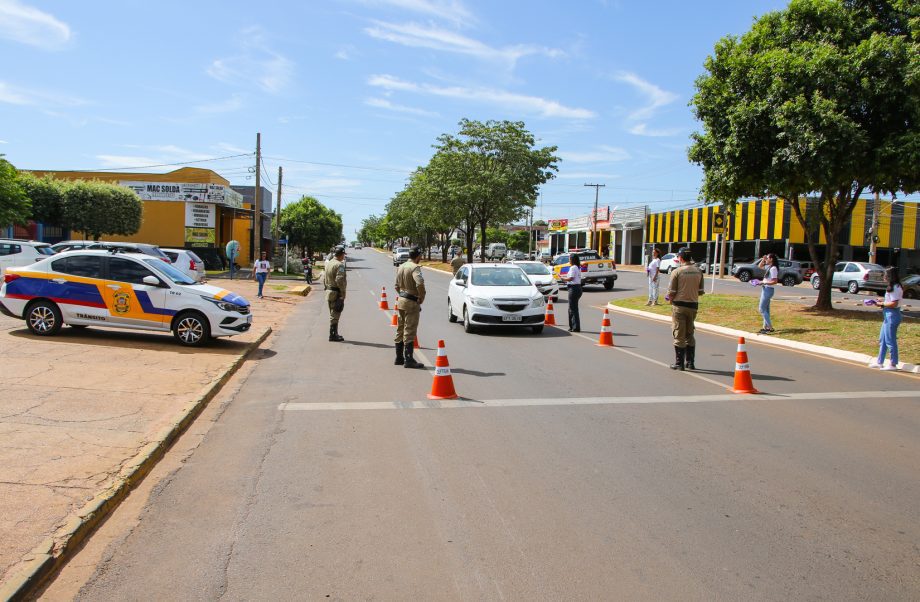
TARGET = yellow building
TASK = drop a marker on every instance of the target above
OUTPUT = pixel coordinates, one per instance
(189, 207)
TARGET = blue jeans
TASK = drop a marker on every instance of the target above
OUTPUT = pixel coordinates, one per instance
(888, 337)
(574, 296)
(766, 293)
(260, 276)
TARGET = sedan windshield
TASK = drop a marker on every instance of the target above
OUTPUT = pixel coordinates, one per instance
(168, 271)
(500, 277)
(535, 269)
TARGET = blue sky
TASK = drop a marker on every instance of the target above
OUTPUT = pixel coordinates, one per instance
(349, 95)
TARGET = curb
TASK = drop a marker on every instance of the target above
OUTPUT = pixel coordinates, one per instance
(79, 527)
(839, 354)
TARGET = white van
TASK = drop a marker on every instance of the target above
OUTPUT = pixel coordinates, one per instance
(496, 251)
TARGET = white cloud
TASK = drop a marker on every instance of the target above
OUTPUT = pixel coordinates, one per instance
(327, 185)
(603, 154)
(3, 142)
(125, 160)
(656, 99)
(226, 147)
(509, 100)
(448, 10)
(258, 63)
(382, 103)
(420, 36)
(28, 25)
(16, 95)
(234, 103)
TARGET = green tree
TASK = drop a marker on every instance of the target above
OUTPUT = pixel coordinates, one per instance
(518, 240)
(47, 197)
(98, 209)
(311, 225)
(821, 99)
(14, 204)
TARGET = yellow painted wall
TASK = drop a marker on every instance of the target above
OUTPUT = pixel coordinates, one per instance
(162, 224)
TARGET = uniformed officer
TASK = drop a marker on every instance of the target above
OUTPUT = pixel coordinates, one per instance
(684, 290)
(456, 263)
(410, 288)
(335, 280)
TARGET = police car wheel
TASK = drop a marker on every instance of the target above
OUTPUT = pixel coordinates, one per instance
(44, 318)
(191, 329)
(450, 313)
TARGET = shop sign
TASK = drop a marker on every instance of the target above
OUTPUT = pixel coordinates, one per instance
(199, 236)
(199, 215)
(602, 215)
(224, 195)
(557, 225)
(186, 192)
(579, 223)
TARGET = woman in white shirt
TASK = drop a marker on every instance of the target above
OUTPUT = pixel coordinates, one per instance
(573, 277)
(260, 271)
(771, 277)
(891, 311)
(653, 270)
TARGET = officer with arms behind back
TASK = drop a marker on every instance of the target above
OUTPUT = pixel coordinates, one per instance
(336, 282)
(456, 263)
(684, 290)
(410, 286)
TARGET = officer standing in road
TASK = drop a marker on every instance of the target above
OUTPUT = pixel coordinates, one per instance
(335, 280)
(410, 286)
(684, 290)
(456, 263)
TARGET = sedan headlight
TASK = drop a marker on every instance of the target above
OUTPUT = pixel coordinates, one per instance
(538, 302)
(480, 302)
(221, 304)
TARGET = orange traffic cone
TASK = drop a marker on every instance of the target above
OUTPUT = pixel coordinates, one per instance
(550, 319)
(395, 320)
(606, 337)
(743, 382)
(383, 299)
(416, 344)
(443, 385)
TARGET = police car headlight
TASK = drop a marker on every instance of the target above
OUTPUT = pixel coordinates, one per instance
(538, 302)
(480, 302)
(221, 304)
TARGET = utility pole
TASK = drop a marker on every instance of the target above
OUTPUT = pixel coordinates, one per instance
(278, 209)
(597, 190)
(873, 234)
(530, 234)
(257, 205)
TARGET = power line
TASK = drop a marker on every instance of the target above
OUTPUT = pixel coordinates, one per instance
(166, 164)
(341, 165)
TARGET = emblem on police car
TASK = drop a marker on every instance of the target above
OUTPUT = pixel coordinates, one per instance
(121, 303)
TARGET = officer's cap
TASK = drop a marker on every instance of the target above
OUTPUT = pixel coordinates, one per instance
(685, 254)
(340, 250)
(415, 252)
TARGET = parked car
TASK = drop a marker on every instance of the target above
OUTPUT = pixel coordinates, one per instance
(512, 255)
(541, 276)
(495, 294)
(16, 253)
(131, 247)
(911, 286)
(71, 245)
(855, 276)
(706, 268)
(789, 273)
(186, 262)
(121, 290)
(496, 251)
(545, 256)
(400, 255)
(668, 262)
(594, 268)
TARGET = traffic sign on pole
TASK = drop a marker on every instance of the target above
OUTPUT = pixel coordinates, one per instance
(718, 223)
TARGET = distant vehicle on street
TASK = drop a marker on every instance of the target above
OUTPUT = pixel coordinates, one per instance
(512, 255)
(541, 276)
(495, 295)
(496, 251)
(122, 290)
(400, 255)
(790, 273)
(911, 286)
(358, 245)
(15, 253)
(594, 268)
(855, 276)
(668, 263)
(186, 262)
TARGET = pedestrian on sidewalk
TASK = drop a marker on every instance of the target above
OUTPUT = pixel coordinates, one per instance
(336, 282)
(891, 319)
(653, 270)
(410, 290)
(260, 271)
(573, 277)
(768, 264)
(684, 290)
(456, 263)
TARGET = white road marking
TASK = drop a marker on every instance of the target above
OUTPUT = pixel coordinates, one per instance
(578, 401)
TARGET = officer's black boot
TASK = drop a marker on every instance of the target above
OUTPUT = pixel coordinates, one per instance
(679, 353)
(691, 357)
(399, 355)
(334, 334)
(409, 361)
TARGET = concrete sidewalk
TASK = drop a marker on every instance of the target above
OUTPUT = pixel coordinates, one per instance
(84, 414)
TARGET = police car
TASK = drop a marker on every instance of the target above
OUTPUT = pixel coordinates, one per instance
(594, 268)
(121, 290)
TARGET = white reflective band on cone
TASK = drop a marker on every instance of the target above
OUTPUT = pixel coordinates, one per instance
(742, 348)
(743, 367)
(442, 371)
(442, 351)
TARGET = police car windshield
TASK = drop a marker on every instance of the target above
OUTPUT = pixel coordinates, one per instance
(535, 269)
(167, 270)
(500, 277)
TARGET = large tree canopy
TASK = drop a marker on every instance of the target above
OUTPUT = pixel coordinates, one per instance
(309, 224)
(99, 208)
(14, 204)
(822, 99)
(47, 197)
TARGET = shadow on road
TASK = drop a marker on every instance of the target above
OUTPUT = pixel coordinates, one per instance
(476, 372)
(366, 344)
(754, 376)
(135, 340)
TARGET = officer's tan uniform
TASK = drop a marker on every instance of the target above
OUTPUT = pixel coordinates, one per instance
(410, 288)
(684, 289)
(336, 281)
(456, 263)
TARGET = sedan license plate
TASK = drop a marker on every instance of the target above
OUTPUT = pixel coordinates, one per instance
(511, 318)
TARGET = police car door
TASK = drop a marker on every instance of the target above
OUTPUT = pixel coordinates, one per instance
(77, 283)
(131, 302)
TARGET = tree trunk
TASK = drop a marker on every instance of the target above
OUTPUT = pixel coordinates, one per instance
(482, 241)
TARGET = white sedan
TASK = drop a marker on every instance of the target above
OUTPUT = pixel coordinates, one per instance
(495, 294)
(541, 276)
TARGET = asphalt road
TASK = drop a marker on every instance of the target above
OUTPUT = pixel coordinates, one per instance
(569, 471)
